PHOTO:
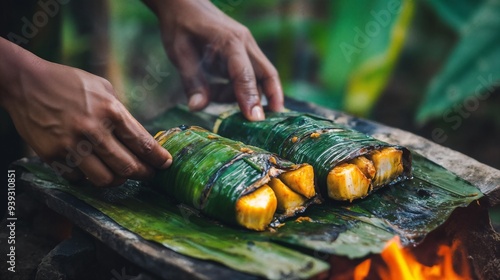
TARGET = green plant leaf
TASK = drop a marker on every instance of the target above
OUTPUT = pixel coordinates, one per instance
(312, 93)
(456, 13)
(369, 80)
(472, 70)
(180, 228)
(363, 49)
(409, 209)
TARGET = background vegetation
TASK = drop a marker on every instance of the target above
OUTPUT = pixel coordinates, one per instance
(430, 67)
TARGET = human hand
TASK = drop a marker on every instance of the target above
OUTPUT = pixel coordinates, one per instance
(200, 40)
(73, 121)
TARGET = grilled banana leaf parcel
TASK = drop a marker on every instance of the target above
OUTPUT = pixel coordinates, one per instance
(348, 164)
(231, 181)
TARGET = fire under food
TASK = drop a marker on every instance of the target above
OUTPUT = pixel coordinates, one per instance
(348, 164)
(231, 181)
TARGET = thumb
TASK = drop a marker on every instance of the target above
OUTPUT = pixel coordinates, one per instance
(188, 63)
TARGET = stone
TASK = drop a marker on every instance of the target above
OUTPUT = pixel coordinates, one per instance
(73, 258)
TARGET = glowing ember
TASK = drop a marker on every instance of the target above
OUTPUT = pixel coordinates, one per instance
(399, 263)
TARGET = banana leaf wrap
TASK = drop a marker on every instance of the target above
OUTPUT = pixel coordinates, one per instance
(289, 134)
(211, 173)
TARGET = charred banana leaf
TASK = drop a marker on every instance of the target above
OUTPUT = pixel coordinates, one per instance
(231, 181)
(348, 164)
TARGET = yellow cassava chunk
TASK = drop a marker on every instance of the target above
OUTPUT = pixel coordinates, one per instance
(365, 165)
(300, 180)
(288, 200)
(388, 164)
(347, 182)
(256, 210)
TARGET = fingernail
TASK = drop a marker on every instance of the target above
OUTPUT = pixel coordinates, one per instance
(196, 101)
(257, 113)
(166, 164)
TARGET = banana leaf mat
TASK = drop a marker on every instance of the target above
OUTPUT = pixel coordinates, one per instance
(172, 239)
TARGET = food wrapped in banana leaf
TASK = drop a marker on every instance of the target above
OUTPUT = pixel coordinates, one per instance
(348, 164)
(231, 181)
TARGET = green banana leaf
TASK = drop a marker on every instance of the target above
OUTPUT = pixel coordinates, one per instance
(456, 13)
(356, 48)
(337, 143)
(211, 173)
(369, 80)
(471, 73)
(362, 49)
(157, 218)
(409, 209)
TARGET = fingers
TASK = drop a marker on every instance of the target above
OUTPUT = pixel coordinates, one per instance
(121, 161)
(89, 167)
(242, 61)
(70, 174)
(249, 68)
(268, 77)
(98, 173)
(133, 136)
(242, 75)
(225, 93)
(118, 149)
(108, 162)
(188, 63)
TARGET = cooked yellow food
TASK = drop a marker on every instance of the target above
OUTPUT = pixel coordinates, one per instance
(347, 182)
(288, 200)
(256, 210)
(300, 180)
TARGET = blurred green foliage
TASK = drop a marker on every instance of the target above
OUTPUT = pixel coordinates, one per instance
(472, 71)
(340, 54)
(331, 52)
(138, 50)
(455, 13)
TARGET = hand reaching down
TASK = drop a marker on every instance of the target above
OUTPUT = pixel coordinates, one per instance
(73, 120)
(202, 41)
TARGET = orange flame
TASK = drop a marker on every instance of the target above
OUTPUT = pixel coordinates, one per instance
(400, 263)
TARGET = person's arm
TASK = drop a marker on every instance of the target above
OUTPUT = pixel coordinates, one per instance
(73, 120)
(195, 34)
